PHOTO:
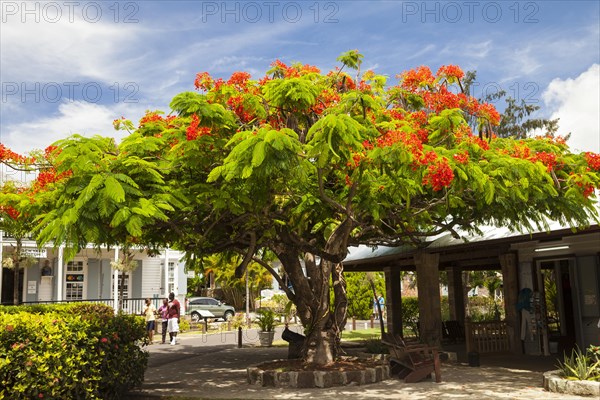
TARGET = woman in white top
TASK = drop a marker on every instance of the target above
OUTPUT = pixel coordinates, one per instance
(149, 312)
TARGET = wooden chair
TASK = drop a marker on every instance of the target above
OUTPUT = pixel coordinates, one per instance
(412, 362)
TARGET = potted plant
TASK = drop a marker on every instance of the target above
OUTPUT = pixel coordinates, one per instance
(266, 324)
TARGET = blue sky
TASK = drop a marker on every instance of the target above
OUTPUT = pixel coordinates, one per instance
(73, 67)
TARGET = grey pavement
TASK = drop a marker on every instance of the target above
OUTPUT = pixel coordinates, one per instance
(211, 366)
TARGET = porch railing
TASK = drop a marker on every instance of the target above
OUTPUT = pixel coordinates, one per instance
(129, 305)
(487, 337)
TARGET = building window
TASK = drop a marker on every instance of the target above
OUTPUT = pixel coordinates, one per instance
(75, 280)
(125, 282)
(171, 275)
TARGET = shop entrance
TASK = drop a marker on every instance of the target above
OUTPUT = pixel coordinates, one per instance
(555, 283)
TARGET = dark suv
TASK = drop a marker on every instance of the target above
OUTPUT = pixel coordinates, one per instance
(214, 306)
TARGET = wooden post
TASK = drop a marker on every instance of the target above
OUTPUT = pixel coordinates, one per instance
(510, 287)
(468, 335)
(430, 307)
(393, 300)
(456, 298)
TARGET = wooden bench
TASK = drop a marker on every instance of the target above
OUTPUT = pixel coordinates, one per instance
(412, 362)
(452, 331)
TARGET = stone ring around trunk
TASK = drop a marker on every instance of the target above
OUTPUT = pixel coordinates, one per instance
(291, 374)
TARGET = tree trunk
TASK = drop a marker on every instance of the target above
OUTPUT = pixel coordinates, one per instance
(321, 346)
(311, 295)
(340, 304)
(379, 313)
(466, 281)
(121, 290)
(16, 265)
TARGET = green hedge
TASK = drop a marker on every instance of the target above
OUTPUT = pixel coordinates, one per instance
(72, 351)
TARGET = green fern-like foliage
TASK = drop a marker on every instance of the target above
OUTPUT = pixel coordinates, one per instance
(583, 366)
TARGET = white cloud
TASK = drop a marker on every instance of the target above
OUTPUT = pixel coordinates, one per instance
(67, 51)
(577, 103)
(86, 119)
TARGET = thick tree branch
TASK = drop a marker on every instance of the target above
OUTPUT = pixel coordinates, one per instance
(239, 271)
(277, 277)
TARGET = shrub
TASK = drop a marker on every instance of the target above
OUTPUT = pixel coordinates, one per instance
(238, 321)
(410, 314)
(483, 308)
(184, 325)
(266, 320)
(74, 351)
(581, 366)
(374, 346)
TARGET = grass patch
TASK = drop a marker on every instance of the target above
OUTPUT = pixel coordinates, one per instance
(362, 334)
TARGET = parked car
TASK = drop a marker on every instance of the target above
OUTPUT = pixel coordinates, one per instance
(217, 308)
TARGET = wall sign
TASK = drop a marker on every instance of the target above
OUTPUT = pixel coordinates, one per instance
(33, 252)
(31, 287)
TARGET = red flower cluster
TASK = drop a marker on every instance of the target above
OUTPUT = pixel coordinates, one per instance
(356, 157)
(237, 105)
(48, 177)
(150, 117)
(548, 159)
(450, 70)
(429, 157)
(12, 213)
(239, 79)
(593, 160)
(520, 150)
(194, 130)
(419, 118)
(489, 112)
(7, 155)
(478, 141)
(444, 99)
(414, 79)
(462, 158)
(411, 141)
(153, 117)
(588, 188)
(327, 98)
(49, 151)
(439, 175)
(281, 68)
(203, 81)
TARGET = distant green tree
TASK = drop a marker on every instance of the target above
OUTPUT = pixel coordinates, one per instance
(360, 295)
(517, 120)
(233, 288)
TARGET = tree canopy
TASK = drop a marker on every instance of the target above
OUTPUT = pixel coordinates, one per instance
(303, 164)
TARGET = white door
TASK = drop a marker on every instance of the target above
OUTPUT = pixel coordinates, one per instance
(45, 289)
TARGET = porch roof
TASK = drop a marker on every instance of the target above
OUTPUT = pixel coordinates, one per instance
(483, 248)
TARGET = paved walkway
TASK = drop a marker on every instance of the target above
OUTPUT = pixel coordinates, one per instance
(213, 367)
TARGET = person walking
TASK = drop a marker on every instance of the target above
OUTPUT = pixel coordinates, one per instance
(163, 311)
(173, 318)
(149, 312)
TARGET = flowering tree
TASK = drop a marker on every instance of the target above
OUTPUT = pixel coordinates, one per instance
(20, 202)
(302, 165)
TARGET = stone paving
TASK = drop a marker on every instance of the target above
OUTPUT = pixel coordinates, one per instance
(213, 367)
